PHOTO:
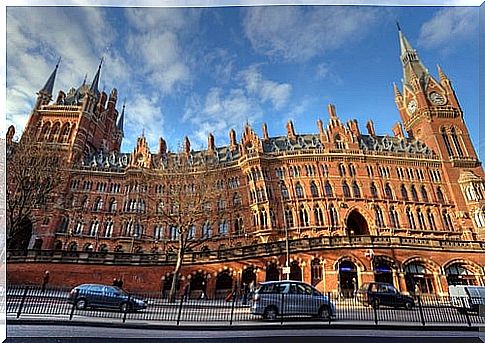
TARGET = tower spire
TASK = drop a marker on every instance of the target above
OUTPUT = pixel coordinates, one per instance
(120, 121)
(95, 83)
(410, 61)
(49, 85)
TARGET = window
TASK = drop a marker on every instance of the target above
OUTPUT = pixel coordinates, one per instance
(314, 189)
(93, 229)
(288, 217)
(388, 191)
(447, 221)
(394, 217)
(318, 214)
(304, 220)
(439, 195)
(299, 191)
(328, 189)
(414, 193)
(373, 190)
(379, 216)
(446, 140)
(411, 223)
(238, 226)
(108, 229)
(456, 143)
(424, 194)
(333, 215)
(341, 169)
(236, 199)
(284, 191)
(223, 228)
(346, 189)
(404, 193)
(206, 230)
(158, 232)
(356, 189)
(422, 223)
(174, 233)
(112, 205)
(431, 222)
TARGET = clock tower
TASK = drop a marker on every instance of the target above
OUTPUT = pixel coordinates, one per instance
(430, 110)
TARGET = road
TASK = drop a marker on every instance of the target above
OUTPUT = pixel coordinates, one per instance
(62, 333)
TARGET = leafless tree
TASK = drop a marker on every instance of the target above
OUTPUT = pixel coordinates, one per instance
(35, 171)
(188, 194)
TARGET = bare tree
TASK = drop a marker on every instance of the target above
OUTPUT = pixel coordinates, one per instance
(35, 170)
(188, 196)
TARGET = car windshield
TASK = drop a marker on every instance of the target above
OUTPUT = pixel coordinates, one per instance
(119, 290)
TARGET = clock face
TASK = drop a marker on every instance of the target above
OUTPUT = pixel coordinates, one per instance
(436, 98)
(412, 105)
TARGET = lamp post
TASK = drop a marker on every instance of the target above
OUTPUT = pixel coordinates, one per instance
(135, 235)
(324, 275)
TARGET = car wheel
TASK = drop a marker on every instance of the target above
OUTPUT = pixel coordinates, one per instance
(408, 305)
(375, 303)
(324, 312)
(81, 304)
(125, 307)
(270, 313)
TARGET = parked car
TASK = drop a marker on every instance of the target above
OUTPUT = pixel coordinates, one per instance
(290, 298)
(467, 298)
(101, 296)
(376, 294)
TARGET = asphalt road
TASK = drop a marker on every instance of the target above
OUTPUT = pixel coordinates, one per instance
(75, 334)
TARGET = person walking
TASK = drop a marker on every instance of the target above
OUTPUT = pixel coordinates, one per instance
(45, 280)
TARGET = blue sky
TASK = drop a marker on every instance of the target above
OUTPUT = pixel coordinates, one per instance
(191, 71)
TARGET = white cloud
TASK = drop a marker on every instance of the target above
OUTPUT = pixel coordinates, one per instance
(299, 33)
(276, 93)
(449, 26)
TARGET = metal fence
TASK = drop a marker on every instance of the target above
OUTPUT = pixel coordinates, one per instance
(63, 304)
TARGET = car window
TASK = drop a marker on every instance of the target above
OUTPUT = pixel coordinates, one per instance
(96, 290)
(112, 290)
(304, 289)
(293, 288)
(383, 289)
(391, 289)
(273, 288)
(373, 288)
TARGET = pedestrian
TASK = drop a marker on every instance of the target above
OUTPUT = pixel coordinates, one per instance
(245, 293)
(354, 286)
(120, 283)
(45, 280)
(187, 291)
(115, 282)
(203, 294)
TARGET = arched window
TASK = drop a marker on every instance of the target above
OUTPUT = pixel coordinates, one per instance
(447, 221)
(404, 193)
(379, 216)
(206, 230)
(45, 131)
(93, 229)
(333, 215)
(284, 191)
(88, 247)
(72, 246)
(414, 193)
(446, 140)
(410, 216)
(238, 226)
(112, 205)
(456, 143)
(288, 217)
(328, 189)
(424, 194)
(373, 190)
(394, 217)
(341, 169)
(345, 189)
(313, 189)
(421, 221)
(108, 228)
(318, 215)
(236, 199)
(388, 191)
(299, 191)
(356, 189)
(66, 128)
(480, 218)
(439, 195)
(304, 220)
(223, 228)
(53, 136)
(431, 222)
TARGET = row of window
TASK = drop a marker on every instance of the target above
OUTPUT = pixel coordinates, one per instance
(54, 133)
(450, 136)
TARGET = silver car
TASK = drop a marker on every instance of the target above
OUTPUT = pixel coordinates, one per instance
(290, 298)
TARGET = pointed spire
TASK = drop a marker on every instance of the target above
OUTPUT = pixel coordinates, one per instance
(95, 83)
(441, 74)
(85, 78)
(397, 93)
(410, 60)
(121, 120)
(49, 85)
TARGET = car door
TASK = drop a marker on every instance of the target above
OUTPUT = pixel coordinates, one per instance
(290, 305)
(112, 297)
(309, 299)
(95, 295)
(385, 296)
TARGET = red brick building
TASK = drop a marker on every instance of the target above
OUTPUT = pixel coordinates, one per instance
(340, 206)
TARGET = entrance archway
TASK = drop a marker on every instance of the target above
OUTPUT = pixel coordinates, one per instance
(348, 279)
(272, 272)
(295, 271)
(20, 239)
(248, 276)
(167, 285)
(418, 278)
(223, 284)
(198, 286)
(459, 274)
(383, 270)
(356, 224)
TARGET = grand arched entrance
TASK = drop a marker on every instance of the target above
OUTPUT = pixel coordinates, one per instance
(295, 271)
(21, 238)
(198, 286)
(272, 272)
(356, 224)
(348, 278)
(224, 284)
(460, 274)
(383, 268)
(248, 276)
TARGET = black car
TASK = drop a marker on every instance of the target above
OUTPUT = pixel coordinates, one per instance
(101, 296)
(376, 294)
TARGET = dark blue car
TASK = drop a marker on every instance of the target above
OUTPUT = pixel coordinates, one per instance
(101, 296)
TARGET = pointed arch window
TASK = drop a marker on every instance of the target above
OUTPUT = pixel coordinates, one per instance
(333, 215)
(414, 193)
(284, 191)
(341, 169)
(314, 189)
(299, 191)
(388, 191)
(394, 217)
(66, 128)
(424, 194)
(431, 222)
(356, 189)
(93, 229)
(328, 189)
(447, 221)
(456, 142)
(108, 228)
(404, 193)
(379, 216)
(112, 205)
(238, 226)
(446, 140)
(439, 195)
(345, 189)
(223, 228)
(318, 215)
(410, 216)
(373, 190)
(288, 217)
(45, 131)
(421, 221)
(206, 230)
(304, 219)
(158, 232)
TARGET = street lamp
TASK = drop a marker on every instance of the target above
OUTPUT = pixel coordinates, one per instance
(135, 235)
